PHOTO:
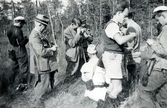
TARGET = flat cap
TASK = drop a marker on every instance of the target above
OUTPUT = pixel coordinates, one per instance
(20, 18)
(159, 9)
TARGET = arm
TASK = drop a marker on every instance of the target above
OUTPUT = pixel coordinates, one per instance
(134, 42)
(71, 38)
(22, 41)
(39, 48)
(123, 39)
(159, 49)
(113, 32)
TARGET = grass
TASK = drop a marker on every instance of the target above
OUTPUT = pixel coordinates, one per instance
(64, 95)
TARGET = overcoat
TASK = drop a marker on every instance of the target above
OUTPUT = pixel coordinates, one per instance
(42, 59)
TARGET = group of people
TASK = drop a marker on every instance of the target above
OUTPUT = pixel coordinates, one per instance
(121, 39)
(43, 63)
(102, 75)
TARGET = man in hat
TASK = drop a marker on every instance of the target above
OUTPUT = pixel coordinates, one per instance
(20, 56)
(42, 62)
(157, 81)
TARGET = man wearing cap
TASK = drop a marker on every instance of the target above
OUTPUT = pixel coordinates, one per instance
(42, 62)
(157, 82)
(20, 59)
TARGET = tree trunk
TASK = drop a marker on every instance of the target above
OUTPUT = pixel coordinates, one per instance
(13, 10)
(87, 10)
(53, 33)
(100, 17)
(113, 9)
(51, 22)
(36, 7)
(164, 2)
(80, 10)
(62, 26)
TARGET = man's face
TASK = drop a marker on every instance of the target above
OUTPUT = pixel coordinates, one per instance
(22, 24)
(88, 31)
(122, 15)
(75, 26)
(43, 27)
(161, 18)
(125, 21)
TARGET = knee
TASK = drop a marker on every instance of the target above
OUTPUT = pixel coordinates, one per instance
(119, 88)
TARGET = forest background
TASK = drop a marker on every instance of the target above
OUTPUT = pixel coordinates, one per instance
(95, 13)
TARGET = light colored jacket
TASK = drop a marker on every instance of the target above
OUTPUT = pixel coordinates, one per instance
(41, 58)
(160, 50)
(136, 44)
(72, 47)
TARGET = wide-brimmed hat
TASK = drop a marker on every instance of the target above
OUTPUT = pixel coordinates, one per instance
(20, 18)
(91, 49)
(159, 9)
(42, 19)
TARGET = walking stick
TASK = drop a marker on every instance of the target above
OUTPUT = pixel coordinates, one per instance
(53, 33)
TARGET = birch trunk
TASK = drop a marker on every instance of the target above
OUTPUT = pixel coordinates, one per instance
(164, 2)
(13, 10)
(53, 33)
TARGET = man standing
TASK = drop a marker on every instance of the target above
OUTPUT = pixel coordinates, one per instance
(132, 52)
(20, 56)
(41, 54)
(73, 36)
(157, 81)
(113, 50)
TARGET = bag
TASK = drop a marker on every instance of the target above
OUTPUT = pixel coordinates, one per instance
(12, 55)
(72, 53)
(89, 85)
(43, 64)
(149, 67)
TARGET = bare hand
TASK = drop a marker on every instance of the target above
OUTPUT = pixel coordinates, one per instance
(150, 41)
(79, 30)
(129, 48)
(53, 48)
(132, 34)
(25, 37)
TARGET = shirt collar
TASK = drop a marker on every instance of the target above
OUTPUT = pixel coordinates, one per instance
(130, 22)
(37, 30)
(115, 21)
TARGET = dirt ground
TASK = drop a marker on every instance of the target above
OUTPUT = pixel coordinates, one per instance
(67, 95)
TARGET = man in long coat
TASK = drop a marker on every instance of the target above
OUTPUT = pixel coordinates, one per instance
(73, 48)
(41, 57)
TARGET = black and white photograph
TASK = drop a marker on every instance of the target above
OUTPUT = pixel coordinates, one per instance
(83, 54)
